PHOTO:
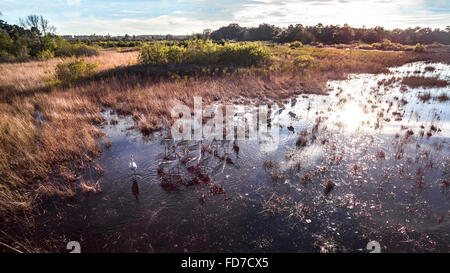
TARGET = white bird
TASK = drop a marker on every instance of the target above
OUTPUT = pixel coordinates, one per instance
(132, 164)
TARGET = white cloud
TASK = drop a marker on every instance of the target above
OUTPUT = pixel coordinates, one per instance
(74, 2)
(391, 14)
(164, 24)
(131, 11)
(387, 13)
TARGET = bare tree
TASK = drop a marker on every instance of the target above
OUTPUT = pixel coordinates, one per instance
(45, 27)
(38, 23)
(30, 21)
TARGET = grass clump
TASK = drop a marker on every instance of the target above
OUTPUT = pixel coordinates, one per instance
(427, 96)
(425, 82)
(442, 97)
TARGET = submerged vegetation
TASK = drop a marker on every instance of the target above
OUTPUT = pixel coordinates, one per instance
(426, 82)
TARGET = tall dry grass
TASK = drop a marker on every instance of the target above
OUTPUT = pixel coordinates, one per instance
(47, 135)
(33, 75)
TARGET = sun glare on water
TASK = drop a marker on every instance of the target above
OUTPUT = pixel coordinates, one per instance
(352, 117)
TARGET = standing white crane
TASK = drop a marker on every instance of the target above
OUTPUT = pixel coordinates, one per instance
(132, 164)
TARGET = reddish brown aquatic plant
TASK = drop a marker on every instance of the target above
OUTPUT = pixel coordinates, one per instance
(329, 186)
(420, 182)
(270, 164)
(99, 169)
(442, 97)
(381, 154)
(215, 189)
(204, 177)
(235, 147)
(425, 97)
(426, 82)
(306, 177)
(302, 140)
(409, 133)
(90, 186)
(229, 160)
(194, 181)
(169, 186)
(108, 144)
(113, 121)
(400, 153)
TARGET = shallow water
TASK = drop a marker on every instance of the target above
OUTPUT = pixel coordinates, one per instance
(209, 197)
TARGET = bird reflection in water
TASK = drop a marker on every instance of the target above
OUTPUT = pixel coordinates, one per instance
(135, 189)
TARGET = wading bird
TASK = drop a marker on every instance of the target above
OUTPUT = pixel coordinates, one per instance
(132, 164)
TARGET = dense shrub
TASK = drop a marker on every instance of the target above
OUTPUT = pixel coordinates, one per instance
(296, 44)
(176, 54)
(388, 45)
(65, 49)
(84, 50)
(204, 52)
(244, 54)
(111, 44)
(5, 56)
(45, 55)
(302, 62)
(73, 71)
(154, 54)
(19, 44)
(365, 46)
(419, 48)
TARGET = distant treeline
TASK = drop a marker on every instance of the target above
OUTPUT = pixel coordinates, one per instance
(35, 38)
(331, 34)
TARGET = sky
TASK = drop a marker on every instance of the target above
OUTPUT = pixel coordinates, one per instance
(137, 17)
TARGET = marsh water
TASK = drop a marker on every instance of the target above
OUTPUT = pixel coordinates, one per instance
(370, 161)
